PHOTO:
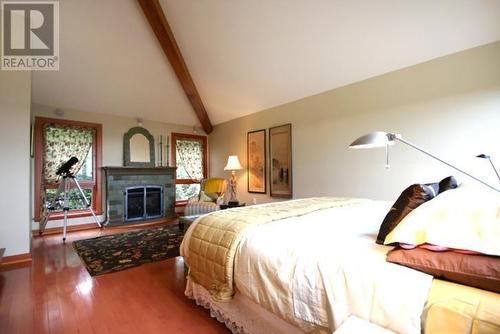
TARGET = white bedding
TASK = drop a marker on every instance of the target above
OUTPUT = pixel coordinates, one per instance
(324, 266)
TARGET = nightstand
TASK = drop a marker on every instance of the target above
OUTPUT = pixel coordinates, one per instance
(229, 206)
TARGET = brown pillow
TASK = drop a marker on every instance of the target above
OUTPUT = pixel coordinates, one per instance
(480, 271)
(410, 199)
(447, 183)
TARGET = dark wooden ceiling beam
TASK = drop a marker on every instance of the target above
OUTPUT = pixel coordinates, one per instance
(156, 18)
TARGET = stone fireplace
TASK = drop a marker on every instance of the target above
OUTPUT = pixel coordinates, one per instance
(138, 194)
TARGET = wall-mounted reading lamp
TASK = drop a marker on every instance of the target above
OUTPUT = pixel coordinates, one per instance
(384, 139)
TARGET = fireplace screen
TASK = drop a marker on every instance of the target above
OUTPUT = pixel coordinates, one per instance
(144, 202)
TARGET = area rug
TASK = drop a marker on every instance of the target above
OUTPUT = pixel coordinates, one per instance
(121, 251)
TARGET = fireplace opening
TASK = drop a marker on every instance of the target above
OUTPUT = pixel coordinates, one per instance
(143, 202)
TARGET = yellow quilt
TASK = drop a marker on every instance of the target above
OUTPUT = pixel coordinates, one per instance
(455, 308)
(216, 236)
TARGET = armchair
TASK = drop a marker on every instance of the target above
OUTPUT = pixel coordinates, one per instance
(209, 199)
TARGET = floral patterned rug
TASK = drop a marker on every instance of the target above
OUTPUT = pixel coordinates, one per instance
(121, 251)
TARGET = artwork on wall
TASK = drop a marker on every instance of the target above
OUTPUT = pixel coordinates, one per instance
(280, 151)
(256, 161)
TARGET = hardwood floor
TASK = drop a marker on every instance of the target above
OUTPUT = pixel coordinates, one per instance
(55, 294)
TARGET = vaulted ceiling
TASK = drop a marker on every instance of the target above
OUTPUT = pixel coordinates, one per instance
(246, 56)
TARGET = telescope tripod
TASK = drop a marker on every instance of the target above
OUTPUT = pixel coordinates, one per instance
(64, 188)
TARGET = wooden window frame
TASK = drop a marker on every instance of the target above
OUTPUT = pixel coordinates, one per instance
(173, 152)
(95, 184)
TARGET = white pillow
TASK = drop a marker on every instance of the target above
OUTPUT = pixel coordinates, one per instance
(467, 217)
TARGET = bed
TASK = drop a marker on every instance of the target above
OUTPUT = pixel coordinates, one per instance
(310, 271)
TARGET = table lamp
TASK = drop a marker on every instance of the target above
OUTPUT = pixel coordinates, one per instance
(233, 164)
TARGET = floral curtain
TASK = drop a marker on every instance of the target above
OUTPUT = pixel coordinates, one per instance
(190, 156)
(62, 142)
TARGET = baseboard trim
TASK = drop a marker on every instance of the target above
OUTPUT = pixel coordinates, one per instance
(15, 260)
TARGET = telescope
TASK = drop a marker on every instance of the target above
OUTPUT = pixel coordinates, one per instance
(62, 195)
(65, 167)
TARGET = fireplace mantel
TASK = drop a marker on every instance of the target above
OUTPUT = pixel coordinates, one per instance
(118, 179)
(118, 170)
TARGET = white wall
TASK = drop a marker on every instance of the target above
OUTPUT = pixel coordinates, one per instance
(15, 100)
(449, 105)
(113, 128)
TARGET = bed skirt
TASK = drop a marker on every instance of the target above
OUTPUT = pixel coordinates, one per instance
(240, 314)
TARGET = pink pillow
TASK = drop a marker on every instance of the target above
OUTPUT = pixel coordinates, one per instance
(436, 248)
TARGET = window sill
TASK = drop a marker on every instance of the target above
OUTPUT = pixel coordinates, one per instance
(72, 214)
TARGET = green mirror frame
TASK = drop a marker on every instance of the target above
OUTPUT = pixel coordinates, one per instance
(126, 147)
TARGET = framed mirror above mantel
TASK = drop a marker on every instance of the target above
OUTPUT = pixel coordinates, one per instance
(138, 148)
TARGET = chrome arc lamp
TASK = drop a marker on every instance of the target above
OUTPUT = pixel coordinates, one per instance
(385, 139)
(487, 157)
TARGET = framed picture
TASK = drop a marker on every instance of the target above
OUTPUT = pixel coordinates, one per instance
(280, 152)
(256, 161)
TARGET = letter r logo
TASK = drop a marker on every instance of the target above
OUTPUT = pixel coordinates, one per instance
(28, 29)
(29, 32)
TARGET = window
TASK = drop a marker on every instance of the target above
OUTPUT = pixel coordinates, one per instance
(189, 154)
(55, 142)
